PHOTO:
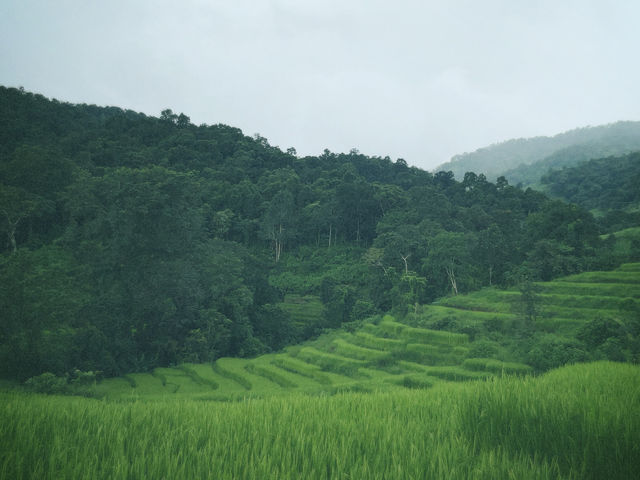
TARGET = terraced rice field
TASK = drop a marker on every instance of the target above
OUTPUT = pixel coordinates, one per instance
(388, 352)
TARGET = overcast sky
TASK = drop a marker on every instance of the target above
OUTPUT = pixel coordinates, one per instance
(420, 80)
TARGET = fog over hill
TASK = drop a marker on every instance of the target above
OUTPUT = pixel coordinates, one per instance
(527, 159)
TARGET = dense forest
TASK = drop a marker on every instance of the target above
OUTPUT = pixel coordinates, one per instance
(601, 184)
(131, 241)
(525, 160)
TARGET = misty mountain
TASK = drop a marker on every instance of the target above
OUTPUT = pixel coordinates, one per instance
(525, 160)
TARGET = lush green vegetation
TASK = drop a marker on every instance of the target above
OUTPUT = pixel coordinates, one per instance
(492, 332)
(134, 242)
(231, 310)
(608, 186)
(579, 422)
(389, 398)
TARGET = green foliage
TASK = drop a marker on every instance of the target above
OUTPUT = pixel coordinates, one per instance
(368, 340)
(193, 374)
(275, 377)
(575, 422)
(571, 403)
(41, 297)
(347, 349)
(496, 366)
(381, 352)
(231, 375)
(415, 382)
(47, 383)
(602, 184)
(551, 351)
(302, 368)
(529, 303)
(330, 362)
(134, 242)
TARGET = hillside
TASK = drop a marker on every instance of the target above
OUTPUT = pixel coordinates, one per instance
(135, 242)
(530, 175)
(526, 160)
(492, 332)
(601, 184)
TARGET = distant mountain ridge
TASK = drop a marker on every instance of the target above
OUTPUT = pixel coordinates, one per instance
(525, 160)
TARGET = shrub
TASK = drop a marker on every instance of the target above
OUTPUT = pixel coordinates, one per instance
(483, 349)
(551, 351)
(415, 381)
(612, 350)
(47, 383)
(84, 379)
(494, 324)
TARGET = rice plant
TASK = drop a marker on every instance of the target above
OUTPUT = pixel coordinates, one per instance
(342, 347)
(578, 422)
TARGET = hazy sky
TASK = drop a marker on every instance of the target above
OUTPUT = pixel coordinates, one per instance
(421, 80)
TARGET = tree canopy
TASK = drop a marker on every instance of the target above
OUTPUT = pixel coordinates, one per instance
(131, 241)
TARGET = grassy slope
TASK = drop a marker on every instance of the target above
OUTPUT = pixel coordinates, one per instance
(578, 422)
(300, 413)
(624, 242)
(385, 353)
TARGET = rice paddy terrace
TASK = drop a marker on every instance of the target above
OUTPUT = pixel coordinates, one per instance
(388, 353)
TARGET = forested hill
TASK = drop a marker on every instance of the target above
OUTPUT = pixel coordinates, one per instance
(525, 160)
(132, 241)
(604, 184)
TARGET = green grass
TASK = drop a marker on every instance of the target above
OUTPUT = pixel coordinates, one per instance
(416, 381)
(229, 374)
(331, 362)
(303, 369)
(624, 246)
(206, 372)
(488, 300)
(257, 382)
(280, 378)
(618, 276)
(581, 288)
(630, 267)
(469, 316)
(195, 376)
(562, 416)
(436, 394)
(578, 422)
(146, 383)
(496, 366)
(429, 354)
(180, 382)
(455, 373)
(344, 348)
(368, 340)
(424, 335)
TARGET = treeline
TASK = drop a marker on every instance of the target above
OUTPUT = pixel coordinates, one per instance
(133, 241)
(609, 185)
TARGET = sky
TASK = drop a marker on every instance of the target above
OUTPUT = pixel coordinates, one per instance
(418, 80)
